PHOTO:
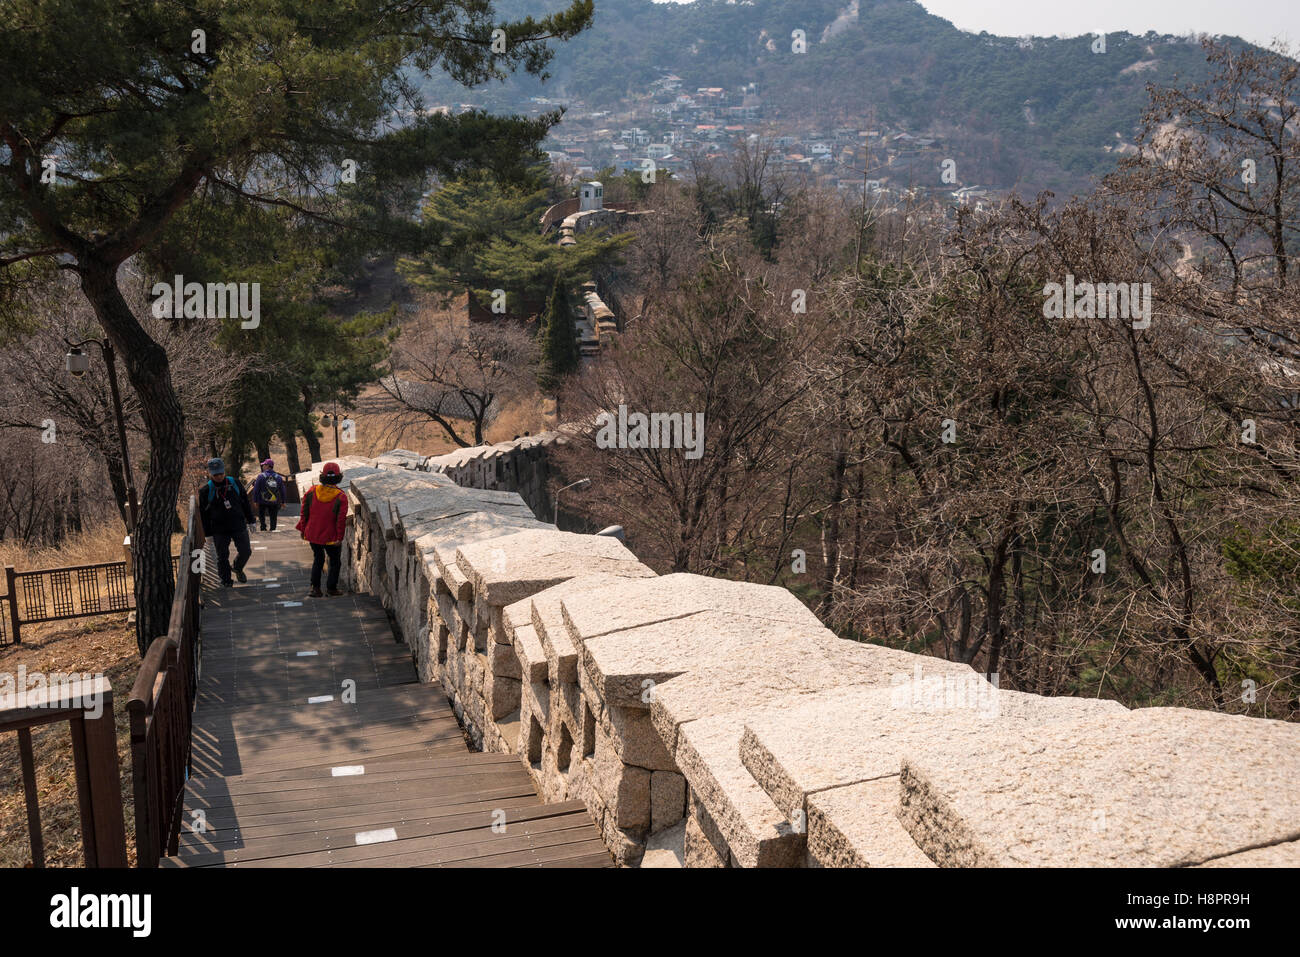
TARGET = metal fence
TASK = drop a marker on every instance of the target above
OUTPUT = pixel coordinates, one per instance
(55, 594)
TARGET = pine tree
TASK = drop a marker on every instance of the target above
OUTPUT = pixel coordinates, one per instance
(483, 236)
(559, 335)
(144, 109)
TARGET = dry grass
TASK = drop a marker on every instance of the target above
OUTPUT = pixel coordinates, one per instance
(102, 543)
(97, 646)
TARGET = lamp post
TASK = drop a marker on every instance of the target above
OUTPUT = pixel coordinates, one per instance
(333, 416)
(581, 483)
(78, 364)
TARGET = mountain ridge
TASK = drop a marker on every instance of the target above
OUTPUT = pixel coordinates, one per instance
(1042, 112)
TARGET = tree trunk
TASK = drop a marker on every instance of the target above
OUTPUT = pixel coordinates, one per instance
(858, 494)
(263, 447)
(113, 464)
(291, 451)
(1015, 642)
(313, 443)
(150, 375)
(309, 430)
(993, 609)
(74, 508)
(831, 532)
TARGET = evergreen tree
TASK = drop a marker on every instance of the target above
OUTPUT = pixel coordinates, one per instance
(303, 354)
(559, 345)
(141, 108)
(483, 235)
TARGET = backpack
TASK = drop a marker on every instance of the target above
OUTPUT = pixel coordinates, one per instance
(212, 490)
(271, 490)
(311, 497)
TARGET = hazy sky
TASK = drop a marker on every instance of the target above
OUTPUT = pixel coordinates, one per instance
(1256, 20)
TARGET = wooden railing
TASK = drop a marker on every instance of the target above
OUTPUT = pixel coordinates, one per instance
(161, 707)
(87, 705)
(73, 591)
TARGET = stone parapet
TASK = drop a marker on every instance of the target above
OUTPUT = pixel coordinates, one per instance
(713, 723)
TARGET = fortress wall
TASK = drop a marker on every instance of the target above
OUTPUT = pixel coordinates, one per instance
(520, 466)
(713, 723)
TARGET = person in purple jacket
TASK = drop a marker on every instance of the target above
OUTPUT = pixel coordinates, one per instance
(268, 495)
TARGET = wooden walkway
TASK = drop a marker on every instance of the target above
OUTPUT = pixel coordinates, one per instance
(316, 746)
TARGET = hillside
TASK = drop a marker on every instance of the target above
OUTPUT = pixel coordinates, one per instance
(1031, 113)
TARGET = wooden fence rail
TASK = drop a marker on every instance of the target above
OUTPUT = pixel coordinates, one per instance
(87, 705)
(161, 707)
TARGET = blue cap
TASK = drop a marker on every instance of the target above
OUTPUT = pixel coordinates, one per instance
(216, 466)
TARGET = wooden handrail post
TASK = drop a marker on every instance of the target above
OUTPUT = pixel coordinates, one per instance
(161, 710)
(29, 792)
(87, 706)
(145, 850)
(94, 751)
(11, 583)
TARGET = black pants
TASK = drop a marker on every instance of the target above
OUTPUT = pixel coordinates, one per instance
(265, 513)
(242, 550)
(319, 552)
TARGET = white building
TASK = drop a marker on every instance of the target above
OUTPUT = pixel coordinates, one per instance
(591, 196)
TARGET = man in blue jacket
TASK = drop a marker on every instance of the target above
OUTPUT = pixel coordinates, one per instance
(226, 515)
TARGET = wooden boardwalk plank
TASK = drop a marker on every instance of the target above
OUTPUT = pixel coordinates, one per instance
(384, 802)
(343, 833)
(328, 743)
(389, 814)
(385, 780)
(375, 771)
(397, 700)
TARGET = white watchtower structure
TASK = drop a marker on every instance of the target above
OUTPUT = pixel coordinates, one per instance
(591, 196)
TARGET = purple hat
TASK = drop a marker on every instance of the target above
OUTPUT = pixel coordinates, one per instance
(268, 464)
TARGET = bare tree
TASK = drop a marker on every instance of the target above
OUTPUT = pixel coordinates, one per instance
(458, 374)
(725, 346)
(667, 246)
(35, 388)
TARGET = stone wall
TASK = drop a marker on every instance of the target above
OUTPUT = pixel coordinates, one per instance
(519, 466)
(714, 723)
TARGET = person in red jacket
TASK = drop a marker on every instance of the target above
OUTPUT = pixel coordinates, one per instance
(324, 514)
